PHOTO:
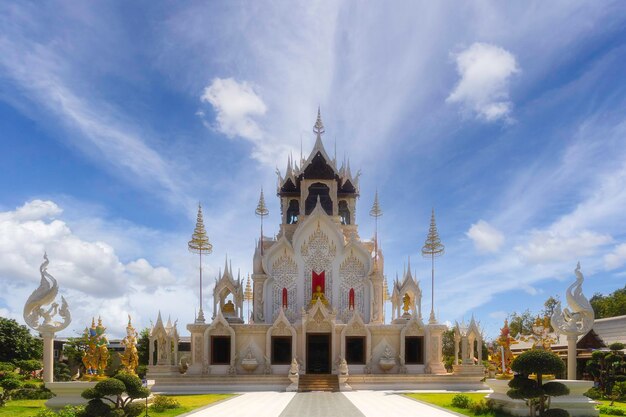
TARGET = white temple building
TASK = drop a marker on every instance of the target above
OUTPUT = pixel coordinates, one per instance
(318, 300)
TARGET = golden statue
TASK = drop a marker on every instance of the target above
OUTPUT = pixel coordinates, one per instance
(319, 295)
(540, 336)
(406, 303)
(97, 354)
(130, 357)
(503, 355)
(229, 307)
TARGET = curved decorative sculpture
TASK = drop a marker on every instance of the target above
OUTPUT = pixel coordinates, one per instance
(579, 317)
(40, 318)
(573, 321)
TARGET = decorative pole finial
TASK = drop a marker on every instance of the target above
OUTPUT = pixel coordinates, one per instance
(248, 295)
(261, 211)
(318, 129)
(432, 248)
(376, 212)
(200, 243)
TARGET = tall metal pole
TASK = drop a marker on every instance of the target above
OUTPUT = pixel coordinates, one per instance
(432, 247)
(200, 242)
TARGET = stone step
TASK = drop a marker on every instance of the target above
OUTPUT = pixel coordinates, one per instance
(329, 383)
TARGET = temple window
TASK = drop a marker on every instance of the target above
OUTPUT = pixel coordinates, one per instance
(281, 350)
(355, 349)
(285, 299)
(220, 350)
(414, 350)
(351, 299)
(293, 211)
(344, 212)
(322, 191)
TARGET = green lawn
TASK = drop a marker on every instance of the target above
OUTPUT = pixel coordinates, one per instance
(617, 404)
(444, 399)
(190, 402)
(21, 408)
(29, 408)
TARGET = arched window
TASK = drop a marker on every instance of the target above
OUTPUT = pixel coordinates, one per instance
(293, 211)
(285, 300)
(351, 299)
(344, 212)
(322, 191)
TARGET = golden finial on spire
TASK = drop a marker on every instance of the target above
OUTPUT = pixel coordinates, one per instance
(200, 240)
(199, 243)
(248, 295)
(376, 212)
(432, 248)
(261, 211)
(318, 129)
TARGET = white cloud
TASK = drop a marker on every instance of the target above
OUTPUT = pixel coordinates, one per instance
(615, 259)
(548, 246)
(486, 238)
(483, 89)
(236, 104)
(498, 315)
(89, 266)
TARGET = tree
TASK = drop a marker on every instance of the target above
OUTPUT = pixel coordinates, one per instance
(536, 394)
(521, 323)
(608, 368)
(74, 350)
(17, 343)
(112, 391)
(143, 346)
(549, 306)
(610, 305)
(8, 383)
(447, 348)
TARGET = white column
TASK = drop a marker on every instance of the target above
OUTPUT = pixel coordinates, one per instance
(571, 356)
(48, 356)
(456, 351)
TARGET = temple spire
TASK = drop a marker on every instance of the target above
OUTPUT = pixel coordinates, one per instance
(376, 212)
(261, 211)
(318, 128)
(432, 248)
(200, 243)
(248, 295)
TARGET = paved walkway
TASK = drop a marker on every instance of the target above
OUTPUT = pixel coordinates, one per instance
(385, 403)
(320, 404)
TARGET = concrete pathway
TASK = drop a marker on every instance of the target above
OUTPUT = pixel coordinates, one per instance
(320, 404)
(386, 403)
(249, 404)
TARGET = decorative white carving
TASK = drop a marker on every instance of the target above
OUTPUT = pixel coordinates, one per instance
(35, 315)
(318, 253)
(579, 317)
(285, 273)
(352, 274)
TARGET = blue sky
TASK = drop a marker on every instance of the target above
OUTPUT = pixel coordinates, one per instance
(117, 119)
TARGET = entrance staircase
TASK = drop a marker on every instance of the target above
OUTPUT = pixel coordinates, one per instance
(318, 382)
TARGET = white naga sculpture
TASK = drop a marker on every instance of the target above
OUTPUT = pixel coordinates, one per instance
(42, 318)
(574, 320)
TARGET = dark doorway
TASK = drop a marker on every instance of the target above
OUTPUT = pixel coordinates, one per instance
(414, 350)
(355, 350)
(318, 353)
(322, 191)
(220, 350)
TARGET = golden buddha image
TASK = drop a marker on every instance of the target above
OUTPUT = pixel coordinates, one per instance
(319, 295)
(229, 307)
(406, 303)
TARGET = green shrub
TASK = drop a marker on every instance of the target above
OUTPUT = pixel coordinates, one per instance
(593, 393)
(162, 403)
(539, 362)
(555, 389)
(598, 355)
(6, 367)
(28, 366)
(67, 411)
(107, 397)
(481, 407)
(616, 346)
(614, 411)
(461, 401)
(556, 412)
(31, 394)
(142, 370)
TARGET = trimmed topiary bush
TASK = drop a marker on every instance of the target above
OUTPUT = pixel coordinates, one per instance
(102, 405)
(461, 401)
(533, 391)
(481, 407)
(613, 411)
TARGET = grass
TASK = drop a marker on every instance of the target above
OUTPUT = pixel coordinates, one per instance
(444, 399)
(22, 408)
(190, 402)
(29, 408)
(618, 404)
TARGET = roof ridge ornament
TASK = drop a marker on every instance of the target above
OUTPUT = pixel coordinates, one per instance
(318, 128)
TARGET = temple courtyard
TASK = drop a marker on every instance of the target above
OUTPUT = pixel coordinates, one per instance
(320, 404)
